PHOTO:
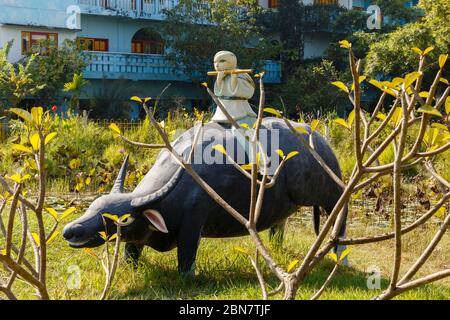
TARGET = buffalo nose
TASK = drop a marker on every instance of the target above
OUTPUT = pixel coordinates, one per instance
(73, 231)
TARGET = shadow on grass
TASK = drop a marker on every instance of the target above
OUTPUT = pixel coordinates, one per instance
(238, 281)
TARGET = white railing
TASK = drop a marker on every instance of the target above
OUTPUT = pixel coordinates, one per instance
(140, 6)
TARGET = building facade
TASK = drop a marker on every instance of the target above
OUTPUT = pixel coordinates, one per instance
(121, 39)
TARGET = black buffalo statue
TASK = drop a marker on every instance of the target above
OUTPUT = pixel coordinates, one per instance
(170, 210)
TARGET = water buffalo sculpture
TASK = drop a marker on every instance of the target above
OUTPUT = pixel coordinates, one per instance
(170, 210)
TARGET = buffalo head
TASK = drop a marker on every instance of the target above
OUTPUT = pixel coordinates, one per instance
(85, 231)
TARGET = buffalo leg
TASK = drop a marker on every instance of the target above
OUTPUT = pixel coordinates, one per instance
(188, 242)
(342, 234)
(276, 235)
(132, 253)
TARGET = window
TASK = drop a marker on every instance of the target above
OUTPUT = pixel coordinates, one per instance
(273, 4)
(29, 39)
(336, 2)
(93, 44)
(147, 47)
(147, 41)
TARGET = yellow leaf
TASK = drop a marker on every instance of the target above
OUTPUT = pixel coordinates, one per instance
(36, 239)
(16, 178)
(25, 115)
(115, 128)
(53, 236)
(74, 164)
(440, 213)
(280, 153)
(111, 217)
(397, 81)
(424, 94)
(445, 81)
(220, 148)
(258, 159)
(87, 181)
(205, 84)
(345, 44)
(147, 99)
(411, 78)
(292, 154)
(37, 113)
(90, 252)
(314, 124)
(396, 117)
(68, 212)
(241, 250)
(343, 123)
(3, 252)
(136, 98)
(430, 110)
(428, 50)
(49, 137)
(333, 256)
(245, 126)
(246, 167)
(35, 141)
(53, 213)
(376, 83)
(113, 237)
(351, 118)
(442, 60)
(124, 217)
(273, 111)
(341, 86)
(292, 265)
(301, 130)
(345, 253)
(417, 50)
(20, 147)
(439, 126)
(103, 235)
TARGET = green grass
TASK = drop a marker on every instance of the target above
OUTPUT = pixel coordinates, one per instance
(224, 273)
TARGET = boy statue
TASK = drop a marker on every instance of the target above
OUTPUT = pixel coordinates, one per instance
(233, 90)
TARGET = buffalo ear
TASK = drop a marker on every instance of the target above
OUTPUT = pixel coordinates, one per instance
(156, 220)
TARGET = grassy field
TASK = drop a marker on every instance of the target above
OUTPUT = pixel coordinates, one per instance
(224, 273)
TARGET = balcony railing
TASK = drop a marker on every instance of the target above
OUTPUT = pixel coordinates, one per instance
(112, 65)
(127, 7)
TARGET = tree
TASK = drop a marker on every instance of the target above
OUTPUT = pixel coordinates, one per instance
(307, 91)
(16, 81)
(195, 32)
(76, 87)
(53, 66)
(391, 55)
(291, 16)
(397, 12)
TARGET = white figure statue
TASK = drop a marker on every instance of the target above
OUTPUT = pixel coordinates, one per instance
(232, 89)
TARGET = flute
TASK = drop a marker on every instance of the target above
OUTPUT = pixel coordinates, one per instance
(235, 71)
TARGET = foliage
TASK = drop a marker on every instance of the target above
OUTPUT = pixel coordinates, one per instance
(195, 32)
(308, 91)
(75, 87)
(53, 66)
(17, 82)
(397, 12)
(290, 21)
(392, 55)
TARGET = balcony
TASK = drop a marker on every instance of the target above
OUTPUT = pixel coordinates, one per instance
(147, 9)
(137, 67)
